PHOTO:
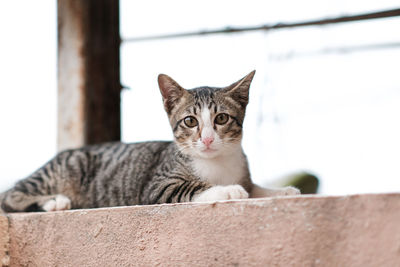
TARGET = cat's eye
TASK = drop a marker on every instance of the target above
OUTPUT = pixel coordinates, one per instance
(221, 118)
(190, 121)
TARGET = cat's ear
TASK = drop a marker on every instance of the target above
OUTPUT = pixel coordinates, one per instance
(239, 91)
(170, 90)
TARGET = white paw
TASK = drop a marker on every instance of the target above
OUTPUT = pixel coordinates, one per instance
(221, 193)
(60, 202)
(289, 191)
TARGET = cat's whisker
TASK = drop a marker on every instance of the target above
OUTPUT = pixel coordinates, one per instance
(182, 148)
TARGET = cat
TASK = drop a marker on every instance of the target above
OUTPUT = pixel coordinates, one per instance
(205, 162)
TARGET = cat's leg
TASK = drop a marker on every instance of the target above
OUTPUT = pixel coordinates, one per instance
(44, 190)
(220, 192)
(259, 192)
(54, 203)
(177, 189)
(17, 201)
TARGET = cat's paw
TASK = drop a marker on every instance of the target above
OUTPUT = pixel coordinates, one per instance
(222, 193)
(60, 202)
(289, 191)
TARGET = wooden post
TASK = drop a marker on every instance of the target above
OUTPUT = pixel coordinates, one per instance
(88, 72)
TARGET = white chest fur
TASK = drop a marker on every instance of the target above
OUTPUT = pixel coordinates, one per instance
(223, 170)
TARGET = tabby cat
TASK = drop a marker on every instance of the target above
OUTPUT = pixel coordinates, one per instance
(205, 162)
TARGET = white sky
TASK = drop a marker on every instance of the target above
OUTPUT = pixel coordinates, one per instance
(28, 89)
(336, 115)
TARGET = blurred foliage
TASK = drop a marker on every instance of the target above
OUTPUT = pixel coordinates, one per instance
(307, 183)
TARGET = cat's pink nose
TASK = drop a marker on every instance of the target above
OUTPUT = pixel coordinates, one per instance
(207, 141)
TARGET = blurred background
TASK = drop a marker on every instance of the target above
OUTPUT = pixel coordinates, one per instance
(325, 99)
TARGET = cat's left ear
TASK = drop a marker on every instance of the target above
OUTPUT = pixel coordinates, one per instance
(170, 90)
(239, 91)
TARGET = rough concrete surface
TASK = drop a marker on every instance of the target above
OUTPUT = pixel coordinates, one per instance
(359, 230)
(4, 241)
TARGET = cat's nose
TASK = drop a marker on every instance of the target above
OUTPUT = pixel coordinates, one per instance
(207, 141)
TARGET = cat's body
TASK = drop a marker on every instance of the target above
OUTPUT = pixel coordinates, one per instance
(204, 163)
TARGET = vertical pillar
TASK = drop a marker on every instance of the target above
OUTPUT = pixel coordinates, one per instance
(88, 72)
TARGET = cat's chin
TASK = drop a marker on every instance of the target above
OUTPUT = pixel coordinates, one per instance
(209, 153)
(213, 152)
(205, 153)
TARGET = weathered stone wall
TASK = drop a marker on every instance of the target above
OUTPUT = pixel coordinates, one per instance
(4, 241)
(360, 230)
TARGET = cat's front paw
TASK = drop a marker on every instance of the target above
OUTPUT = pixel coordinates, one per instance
(289, 191)
(222, 193)
(60, 202)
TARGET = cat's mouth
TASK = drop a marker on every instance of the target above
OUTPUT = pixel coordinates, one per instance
(208, 150)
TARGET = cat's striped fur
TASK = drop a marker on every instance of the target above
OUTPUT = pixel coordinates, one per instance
(205, 161)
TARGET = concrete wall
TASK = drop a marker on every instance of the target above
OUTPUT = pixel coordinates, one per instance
(360, 230)
(4, 241)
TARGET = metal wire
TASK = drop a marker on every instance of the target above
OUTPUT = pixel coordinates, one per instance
(266, 27)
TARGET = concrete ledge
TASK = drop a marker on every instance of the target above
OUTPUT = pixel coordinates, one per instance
(360, 230)
(4, 241)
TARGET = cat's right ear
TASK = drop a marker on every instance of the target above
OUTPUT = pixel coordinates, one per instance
(170, 90)
(239, 90)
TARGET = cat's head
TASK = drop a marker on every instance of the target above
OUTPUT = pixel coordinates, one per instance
(206, 121)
